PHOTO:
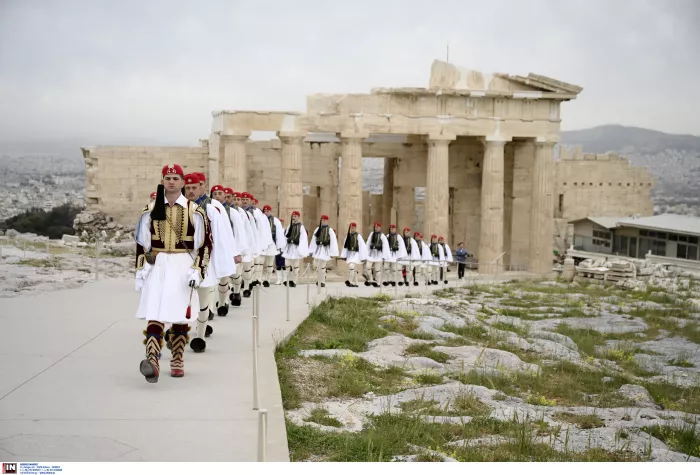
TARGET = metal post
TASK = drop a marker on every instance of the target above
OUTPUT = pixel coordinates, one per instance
(97, 260)
(257, 315)
(24, 248)
(287, 295)
(256, 396)
(48, 249)
(307, 286)
(262, 435)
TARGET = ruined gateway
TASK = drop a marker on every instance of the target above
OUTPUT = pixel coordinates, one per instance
(479, 147)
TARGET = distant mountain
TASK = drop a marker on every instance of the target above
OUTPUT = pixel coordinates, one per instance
(607, 138)
(674, 160)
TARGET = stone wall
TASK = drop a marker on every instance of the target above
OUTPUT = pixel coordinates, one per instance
(597, 185)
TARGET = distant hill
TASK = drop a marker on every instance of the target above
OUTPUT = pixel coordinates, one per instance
(606, 138)
(674, 160)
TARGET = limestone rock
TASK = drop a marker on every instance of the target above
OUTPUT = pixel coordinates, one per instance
(638, 394)
(11, 233)
(123, 249)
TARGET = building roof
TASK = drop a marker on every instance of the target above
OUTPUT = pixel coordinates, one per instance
(675, 223)
(607, 223)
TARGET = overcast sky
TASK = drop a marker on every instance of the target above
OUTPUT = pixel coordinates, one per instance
(157, 69)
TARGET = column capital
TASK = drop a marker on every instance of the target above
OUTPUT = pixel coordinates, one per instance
(495, 141)
(359, 136)
(545, 142)
(441, 138)
(291, 136)
(237, 137)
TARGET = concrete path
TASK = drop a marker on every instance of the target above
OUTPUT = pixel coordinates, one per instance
(71, 390)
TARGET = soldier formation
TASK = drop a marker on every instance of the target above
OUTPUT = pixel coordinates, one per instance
(208, 251)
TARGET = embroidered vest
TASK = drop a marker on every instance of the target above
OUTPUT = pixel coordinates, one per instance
(376, 241)
(393, 242)
(273, 229)
(352, 244)
(323, 236)
(434, 249)
(407, 242)
(294, 233)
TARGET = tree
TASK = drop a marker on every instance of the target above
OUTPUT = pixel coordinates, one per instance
(54, 223)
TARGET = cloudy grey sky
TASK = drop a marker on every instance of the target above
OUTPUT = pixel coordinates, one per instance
(156, 69)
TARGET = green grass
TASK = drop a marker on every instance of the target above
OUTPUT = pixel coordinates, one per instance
(509, 327)
(321, 416)
(428, 378)
(53, 261)
(584, 421)
(674, 398)
(681, 362)
(681, 437)
(389, 435)
(425, 349)
(563, 384)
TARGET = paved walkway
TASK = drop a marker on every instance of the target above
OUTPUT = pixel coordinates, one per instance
(71, 390)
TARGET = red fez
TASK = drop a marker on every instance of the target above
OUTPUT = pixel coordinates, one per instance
(406, 229)
(236, 194)
(441, 238)
(201, 176)
(324, 217)
(295, 213)
(433, 236)
(172, 170)
(153, 195)
(217, 188)
(228, 191)
(392, 226)
(191, 179)
(417, 233)
(255, 201)
(281, 220)
(353, 224)
(378, 224)
(267, 208)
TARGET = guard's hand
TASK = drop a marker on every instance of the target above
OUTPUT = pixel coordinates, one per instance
(194, 279)
(193, 284)
(237, 259)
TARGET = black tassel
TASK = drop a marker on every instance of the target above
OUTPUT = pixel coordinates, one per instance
(318, 231)
(158, 212)
(347, 239)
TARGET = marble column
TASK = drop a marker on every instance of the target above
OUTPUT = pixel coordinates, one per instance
(350, 203)
(388, 192)
(437, 191)
(542, 211)
(491, 235)
(235, 167)
(291, 192)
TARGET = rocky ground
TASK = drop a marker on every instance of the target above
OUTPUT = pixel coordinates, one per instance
(513, 372)
(26, 265)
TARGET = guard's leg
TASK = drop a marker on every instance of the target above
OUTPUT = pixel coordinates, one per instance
(351, 274)
(198, 344)
(394, 273)
(247, 278)
(377, 274)
(316, 269)
(150, 367)
(386, 270)
(322, 271)
(222, 302)
(269, 265)
(237, 281)
(179, 341)
(295, 272)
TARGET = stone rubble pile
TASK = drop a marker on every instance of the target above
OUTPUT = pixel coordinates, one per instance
(95, 225)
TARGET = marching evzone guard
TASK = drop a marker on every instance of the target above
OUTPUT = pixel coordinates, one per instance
(397, 250)
(437, 257)
(296, 249)
(377, 252)
(280, 267)
(173, 247)
(425, 257)
(247, 244)
(261, 227)
(218, 194)
(278, 243)
(323, 248)
(412, 258)
(354, 252)
(447, 252)
(221, 262)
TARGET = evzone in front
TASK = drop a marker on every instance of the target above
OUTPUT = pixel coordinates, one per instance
(261, 227)
(323, 248)
(377, 253)
(246, 268)
(426, 258)
(397, 250)
(447, 252)
(276, 245)
(173, 248)
(412, 259)
(437, 258)
(354, 252)
(296, 249)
